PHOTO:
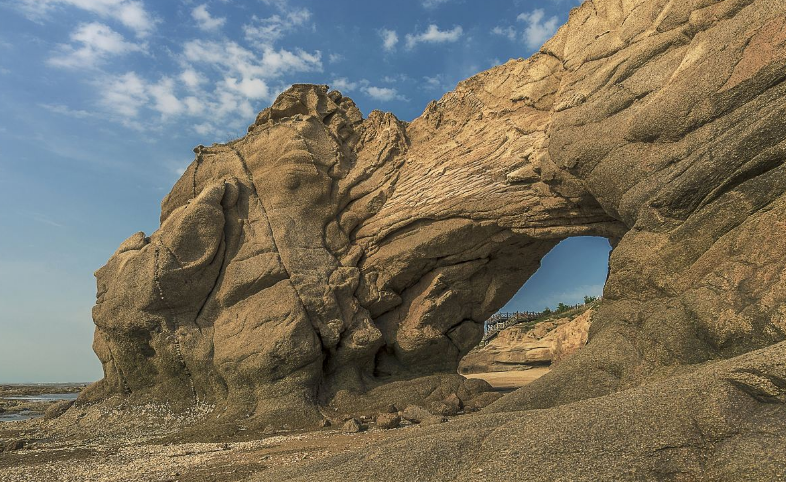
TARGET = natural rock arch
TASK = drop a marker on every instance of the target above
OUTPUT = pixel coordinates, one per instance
(325, 255)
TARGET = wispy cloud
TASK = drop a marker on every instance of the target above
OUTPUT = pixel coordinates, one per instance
(92, 43)
(130, 13)
(383, 94)
(434, 35)
(437, 82)
(40, 217)
(266, 31)
(345, 85)
(125, 94)
(389, 39)
(508, 32)
(67, 111)
(433, 3)
(205, 21)
(220, 81)
(234, 59)
(539, 28)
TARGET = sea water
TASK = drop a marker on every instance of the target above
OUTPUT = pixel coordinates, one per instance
(42, 397)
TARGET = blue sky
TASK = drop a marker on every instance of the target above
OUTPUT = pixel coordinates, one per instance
(102, 102)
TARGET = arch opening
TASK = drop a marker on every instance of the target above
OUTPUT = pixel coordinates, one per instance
(547, 319)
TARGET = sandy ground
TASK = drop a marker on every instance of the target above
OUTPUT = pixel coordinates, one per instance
(512, 379)
(184, 462)
(161, 457)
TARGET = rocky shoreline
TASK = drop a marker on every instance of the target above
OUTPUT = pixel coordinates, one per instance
(156, 442)
(34, 400)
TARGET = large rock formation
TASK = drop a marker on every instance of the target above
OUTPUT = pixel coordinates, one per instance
(324, 254)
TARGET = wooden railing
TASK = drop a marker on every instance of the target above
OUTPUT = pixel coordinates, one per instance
(502, 320)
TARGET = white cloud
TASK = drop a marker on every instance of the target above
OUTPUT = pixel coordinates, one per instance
(250, 88)
(389, 39)
(205, 21)
(164, 99)
(383, 94)
(97, 42)
(204, 128)
(125, 94)
(539, 29)
(435, 82)
(508, 32)
(220, 84)
(279, 4)
(266, 31)
(191, 78)
(434, 35)
(343, 84)
(193, 105)
(244, 77)
(231, 58)
(433, 3)
(334, 58)
(130, 13)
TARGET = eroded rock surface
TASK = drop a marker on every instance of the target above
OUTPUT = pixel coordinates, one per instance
(525, 346)
(324, 256)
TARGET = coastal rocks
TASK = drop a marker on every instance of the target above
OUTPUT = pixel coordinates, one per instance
(324, 257)
(57, 409)
(525, 346)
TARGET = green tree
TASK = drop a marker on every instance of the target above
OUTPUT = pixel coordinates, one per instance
(590, 299)
(562, 307)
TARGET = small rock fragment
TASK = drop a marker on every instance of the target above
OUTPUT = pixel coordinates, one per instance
(415, 414)
(388, 420)
(352, 425)
(57, 409)
(14, 445)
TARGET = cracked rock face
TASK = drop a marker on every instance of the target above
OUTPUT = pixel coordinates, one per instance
(325, 255)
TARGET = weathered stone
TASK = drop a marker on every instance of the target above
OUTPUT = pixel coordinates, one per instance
(699, 426)
(520, 347)
(325, 256)
(450, 406)
(482, 401)
(14, 445)
(388, 420)
(415, 414)
(57, 409)
(352, 425)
